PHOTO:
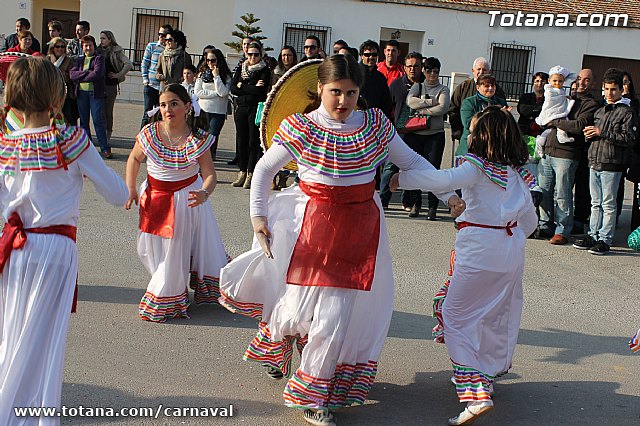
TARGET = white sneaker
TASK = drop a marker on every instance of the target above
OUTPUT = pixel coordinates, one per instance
(319, 418)
(453, 380)
(471, 413)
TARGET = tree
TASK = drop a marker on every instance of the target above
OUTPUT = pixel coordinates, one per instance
(247, 29)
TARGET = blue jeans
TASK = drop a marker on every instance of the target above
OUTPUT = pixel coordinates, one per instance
(151, 99)
(604, 189)
(555, 178)
(216, 121)
(88, 104)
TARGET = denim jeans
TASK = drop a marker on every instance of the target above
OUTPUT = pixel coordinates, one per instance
(555, 178)
(151, 99)
(88, 104)
(216, 121)
(604, 189)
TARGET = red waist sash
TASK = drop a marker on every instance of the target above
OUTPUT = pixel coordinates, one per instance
(507, 227)
(339, 239)
(14, 237)
(157, 214)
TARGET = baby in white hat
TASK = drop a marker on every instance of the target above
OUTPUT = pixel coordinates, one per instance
(556, 105)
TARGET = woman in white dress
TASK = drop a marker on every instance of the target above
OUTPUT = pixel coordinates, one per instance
(483, 303)
(320, 279)
(42, 170)
(179, 241)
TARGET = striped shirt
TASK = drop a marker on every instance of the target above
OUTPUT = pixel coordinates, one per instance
(150, 64)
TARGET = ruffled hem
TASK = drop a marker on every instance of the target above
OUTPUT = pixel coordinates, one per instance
(471, 384)
(253, 310)
(274, 354)
(634, 343)
(350, 385)
(206, 290)
(159, 309)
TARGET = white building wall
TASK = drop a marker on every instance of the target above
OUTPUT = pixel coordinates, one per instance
(11, 11)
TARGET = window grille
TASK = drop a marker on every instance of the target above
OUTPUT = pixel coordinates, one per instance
(295, 35)
(512, 66)
(144, 29)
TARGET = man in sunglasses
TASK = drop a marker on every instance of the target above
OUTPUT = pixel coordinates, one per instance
(340, 44)
(311, 48)
(374, 90)
(151, 90)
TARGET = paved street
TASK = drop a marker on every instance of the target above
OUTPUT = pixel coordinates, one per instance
(572, 364)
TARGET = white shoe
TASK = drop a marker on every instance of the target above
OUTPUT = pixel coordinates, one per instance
(453, 380)
(471, 413)
(319, 418)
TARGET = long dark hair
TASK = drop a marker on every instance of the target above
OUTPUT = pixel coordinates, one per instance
(203, 59)
(335, 68)
(292, 50)
(193, 122)
(497, 138)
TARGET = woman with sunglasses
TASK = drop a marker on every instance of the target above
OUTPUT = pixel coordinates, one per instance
(173, 58)
(212, 89)
(58, 55)
(250, 84)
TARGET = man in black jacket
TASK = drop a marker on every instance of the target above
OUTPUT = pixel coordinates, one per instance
(612, 137)
(22, 24)
(556, 171)
(374, 90)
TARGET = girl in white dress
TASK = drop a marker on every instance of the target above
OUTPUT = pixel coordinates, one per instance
(179, 241)
(483, 305)
(325, 278)
(42, 170)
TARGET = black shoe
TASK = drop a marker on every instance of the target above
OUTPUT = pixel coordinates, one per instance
(233, 162)
(431, 213)
(274, 373)
(414, 212)
(545, 234)
(585, 244)
(577, 230)
(599, 248)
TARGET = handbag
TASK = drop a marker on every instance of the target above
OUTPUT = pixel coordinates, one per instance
(633, 174)
(410, 120)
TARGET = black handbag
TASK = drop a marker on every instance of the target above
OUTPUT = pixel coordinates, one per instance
(633, 174)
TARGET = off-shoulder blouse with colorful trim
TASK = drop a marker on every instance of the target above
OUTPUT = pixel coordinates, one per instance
(47, 150)
(179, 158)
(337, 154)
(495, 172)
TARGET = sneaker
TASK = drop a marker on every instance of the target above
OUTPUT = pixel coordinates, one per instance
(274, 373)
(584, 244)
(319, 418)
(599, 248)
(471, 413)
(414, 212)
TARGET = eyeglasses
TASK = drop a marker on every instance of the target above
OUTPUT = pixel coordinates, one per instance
(162, 34)
(253, 54)
(59, 46)
(370, 54)
(213, 60)
(432, 70)
(169, 39)
(311, 47)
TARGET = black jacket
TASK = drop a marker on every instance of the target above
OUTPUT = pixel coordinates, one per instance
(529, 107)
(375, 90)
(249, 95)
(611, 151)
(580, 116)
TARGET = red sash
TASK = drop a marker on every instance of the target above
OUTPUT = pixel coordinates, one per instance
(14, 237)
(339, 239)
(157, 214)
(507, 227)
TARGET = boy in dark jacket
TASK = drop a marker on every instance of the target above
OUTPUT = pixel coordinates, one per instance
(612, 137)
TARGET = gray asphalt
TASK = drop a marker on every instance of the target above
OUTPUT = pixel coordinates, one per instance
(572, 364)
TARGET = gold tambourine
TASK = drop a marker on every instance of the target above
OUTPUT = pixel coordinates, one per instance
(288, 96)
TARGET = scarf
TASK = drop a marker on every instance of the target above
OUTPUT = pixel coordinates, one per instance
(207, 76)
(171, 53)
(484, 101)
(58, 62)
(249, 71)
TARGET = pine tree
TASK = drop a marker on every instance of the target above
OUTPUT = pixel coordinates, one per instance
(248, 29)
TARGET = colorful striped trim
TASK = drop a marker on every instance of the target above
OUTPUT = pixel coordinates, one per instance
(472, 385)
(39, 151)
(634, 343)
(438, 301)
(253, 310)
(497, 173)
(159, 309)
(179, 158)
(349, 385)
(271, 353)
(333, 153)
(206, 290)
